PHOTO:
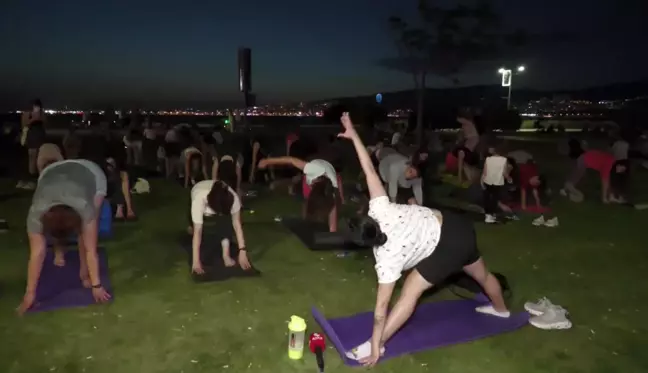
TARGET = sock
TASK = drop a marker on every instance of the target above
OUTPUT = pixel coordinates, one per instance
(362, 351)
(488, 309)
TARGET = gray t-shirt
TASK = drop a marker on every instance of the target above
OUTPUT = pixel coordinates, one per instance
(392, 171)
(65, 183)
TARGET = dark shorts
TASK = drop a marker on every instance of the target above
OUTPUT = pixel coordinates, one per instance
(457, 248)
(35, 138)
(470, 157)
(172, 149)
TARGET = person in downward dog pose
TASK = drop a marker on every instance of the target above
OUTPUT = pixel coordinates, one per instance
(211, 197)
(67, 201)
(321, 186)
(613, 173)
(194, 165)
(434, 245)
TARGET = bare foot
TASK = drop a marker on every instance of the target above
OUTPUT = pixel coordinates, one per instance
(229, 262)
(59, 258)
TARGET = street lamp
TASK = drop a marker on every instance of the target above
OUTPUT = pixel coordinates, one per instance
(507, 80)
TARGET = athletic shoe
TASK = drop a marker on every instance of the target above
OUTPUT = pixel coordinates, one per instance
(551, 223)
(563, 192)
(490, 219)
(29, 186)
(512, 217)
(554, 318)
(539, 221)
(490, 310)
(539, 307)
(20, 185)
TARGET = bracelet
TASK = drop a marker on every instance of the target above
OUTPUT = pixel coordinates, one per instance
(96, 286)
(242, 248)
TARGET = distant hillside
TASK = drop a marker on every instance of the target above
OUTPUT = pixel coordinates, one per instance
(481, 94)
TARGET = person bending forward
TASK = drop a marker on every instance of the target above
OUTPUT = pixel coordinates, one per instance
(404, 237)
(320, 186)
(211, 197)
(67, 201)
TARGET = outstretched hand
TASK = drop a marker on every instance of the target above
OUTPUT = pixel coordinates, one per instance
(349, 130)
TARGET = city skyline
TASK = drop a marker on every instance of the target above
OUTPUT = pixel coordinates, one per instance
(79, 53)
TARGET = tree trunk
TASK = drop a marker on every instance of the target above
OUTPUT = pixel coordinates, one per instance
(420, 107)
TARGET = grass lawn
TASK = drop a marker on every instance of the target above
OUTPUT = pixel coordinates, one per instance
(594, 264)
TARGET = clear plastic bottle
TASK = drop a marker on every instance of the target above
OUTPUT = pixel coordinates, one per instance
(296, 337)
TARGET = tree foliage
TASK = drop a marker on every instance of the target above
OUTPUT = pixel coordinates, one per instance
(444, 41)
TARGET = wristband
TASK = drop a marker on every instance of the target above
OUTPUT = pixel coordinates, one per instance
(242, 248)
(97, 286)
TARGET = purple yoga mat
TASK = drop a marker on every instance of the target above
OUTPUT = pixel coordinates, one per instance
(432, 325)
(60, 287)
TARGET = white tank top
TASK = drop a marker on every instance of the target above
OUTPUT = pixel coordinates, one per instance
(495, 166)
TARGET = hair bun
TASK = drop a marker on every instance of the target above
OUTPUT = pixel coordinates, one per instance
(381, 239)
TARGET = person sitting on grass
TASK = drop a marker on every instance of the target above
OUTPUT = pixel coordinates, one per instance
(432, 244)
(321, 186)
(67, 202)
(211, 197)
(613, 173)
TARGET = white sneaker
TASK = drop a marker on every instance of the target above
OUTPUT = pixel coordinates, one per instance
(554, 318)
(20, 185)
(563, 192)
(490, 219)
(539, 307)
(551, 223)
(539, 221)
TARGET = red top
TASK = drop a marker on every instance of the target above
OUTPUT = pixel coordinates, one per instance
(527, 172)
(291, 138)
(599, 161)
(451, 162)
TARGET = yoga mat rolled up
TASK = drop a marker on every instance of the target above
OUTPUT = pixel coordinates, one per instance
(432, 325)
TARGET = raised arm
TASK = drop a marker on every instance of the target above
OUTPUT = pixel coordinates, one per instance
(282, 161)
(374, 183)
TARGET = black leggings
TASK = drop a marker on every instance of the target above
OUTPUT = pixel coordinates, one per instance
(492, 194)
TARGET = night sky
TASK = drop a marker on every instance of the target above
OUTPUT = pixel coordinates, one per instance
(153, 52)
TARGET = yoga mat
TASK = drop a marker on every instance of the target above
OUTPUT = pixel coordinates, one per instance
(533, 209)
(307, 231)
(212, 260)
(433, 325)
(60, 287)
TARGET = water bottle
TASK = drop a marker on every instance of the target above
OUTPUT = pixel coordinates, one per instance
(296, 336)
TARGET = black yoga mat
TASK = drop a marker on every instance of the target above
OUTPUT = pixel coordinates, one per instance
(316, 236)
(212, 260)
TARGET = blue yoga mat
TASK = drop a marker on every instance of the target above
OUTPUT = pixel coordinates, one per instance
(433, 325)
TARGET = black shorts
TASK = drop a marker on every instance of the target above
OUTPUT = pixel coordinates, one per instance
(470, 157)
(35, 137)
(172, 149)
(456, 249)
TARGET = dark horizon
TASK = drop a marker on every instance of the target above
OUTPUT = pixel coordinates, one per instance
(88, 54)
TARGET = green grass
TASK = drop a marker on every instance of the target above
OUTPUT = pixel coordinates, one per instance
(594, 264)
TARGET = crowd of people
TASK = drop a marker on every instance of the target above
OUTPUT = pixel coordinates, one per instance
(70, 186)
